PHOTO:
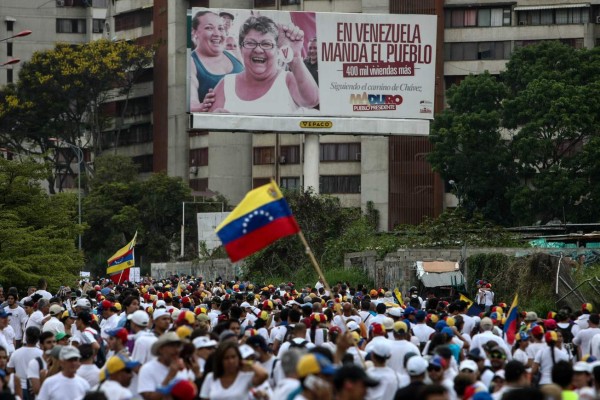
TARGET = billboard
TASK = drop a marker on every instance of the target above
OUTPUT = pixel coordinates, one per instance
(306, 71)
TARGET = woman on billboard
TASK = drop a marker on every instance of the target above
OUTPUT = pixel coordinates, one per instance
(275, 79)
(210, 61)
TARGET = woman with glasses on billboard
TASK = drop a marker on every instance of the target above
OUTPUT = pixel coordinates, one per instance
(210, 61)
(266, 86)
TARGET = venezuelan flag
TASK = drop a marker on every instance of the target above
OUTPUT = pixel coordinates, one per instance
(121, 261)
(398, 297)
(464, 298)
(261, 218)
(510, 326)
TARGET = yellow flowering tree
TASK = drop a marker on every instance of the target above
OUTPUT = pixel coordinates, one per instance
(61, 92)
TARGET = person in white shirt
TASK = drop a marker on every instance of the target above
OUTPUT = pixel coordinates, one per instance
(37, 369)
(19, 361)
(516, 377)
(583, 338)
(16, 316)
(116, 376)
(66, 384)
(520, 349)
(53, 324)
(88, 370)
(37, 318)
(110, 318)
(8, 332)
(289, 382)
(389, 378)
(547, 357)
(486, 325)
(400, 346)
(160, 371)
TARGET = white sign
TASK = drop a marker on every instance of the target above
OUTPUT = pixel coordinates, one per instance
(363, 66)
(207, 223)
(134, 274)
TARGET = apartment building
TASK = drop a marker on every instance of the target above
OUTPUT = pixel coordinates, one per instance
(391, 172)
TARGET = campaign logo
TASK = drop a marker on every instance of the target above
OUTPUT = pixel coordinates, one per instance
(375, 102)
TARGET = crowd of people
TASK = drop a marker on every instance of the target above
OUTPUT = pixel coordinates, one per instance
(186, 338)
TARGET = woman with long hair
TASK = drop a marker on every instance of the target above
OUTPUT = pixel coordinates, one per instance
(547, 357)
(232, 377)
(519, 349)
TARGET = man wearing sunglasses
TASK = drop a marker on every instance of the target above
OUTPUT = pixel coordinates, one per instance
(435, 370)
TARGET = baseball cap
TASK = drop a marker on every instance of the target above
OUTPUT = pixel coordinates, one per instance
(139, 317)
(409, 311)
(468, 364)
(395, 312)
(437, 361)
(382, 349)
(420, 316)
(227, 334)
(246, 351)
(119, 333)
(582, 366)
(68, 353)
(416, 365)
(202, 342)
(257, 341)
(353, 373)
(83, 303)
(55, 309)
(160, 312)
(85, 316)
(550, 325)
(475, 354)
(106, 305)
(486, 323)
(115, 364)
(3, 313)
(353, 326)
(531, 316)
(312, 364)
(180, 389)
(163, 340)
(400, 326)
(61, 336)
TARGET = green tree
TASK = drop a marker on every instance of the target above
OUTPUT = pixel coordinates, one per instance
(121, 203)
(469, 149)
(37, 231)
(61, 92)
(520, 146)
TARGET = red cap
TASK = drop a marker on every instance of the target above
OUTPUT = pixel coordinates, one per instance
(119, 334)
(184, 390)
(550, 325)
(106, 304)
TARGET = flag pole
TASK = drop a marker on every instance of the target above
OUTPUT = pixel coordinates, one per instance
(315, 264)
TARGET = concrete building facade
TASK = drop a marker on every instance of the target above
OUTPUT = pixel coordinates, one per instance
(390, 172)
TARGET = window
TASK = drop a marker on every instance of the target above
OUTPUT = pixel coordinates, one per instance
(290, 183)
(9, 75)
(466, 51)
(199, 157)
(9, 49)
(133, 20)
(98, 25)
(265, 3)
(340, 152)
(199, 184)
(10, 25)
(66, 181)
(99, 3)
(289, 155)
(64, 25)
(264, 155)
(559, 16)
(339, 184)
(145, 162)
(480, 17)
(256, 182)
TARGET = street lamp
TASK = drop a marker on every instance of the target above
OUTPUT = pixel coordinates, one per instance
(79, 154)
(20, 34)
(10, 62)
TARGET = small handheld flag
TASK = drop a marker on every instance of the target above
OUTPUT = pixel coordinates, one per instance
(510, 326)
(464, 298)
(398, 297)
(121, 261)
(262, 217)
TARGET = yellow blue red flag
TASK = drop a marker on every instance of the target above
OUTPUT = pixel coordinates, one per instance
(261, 218)
(510, 325)
(121, 261)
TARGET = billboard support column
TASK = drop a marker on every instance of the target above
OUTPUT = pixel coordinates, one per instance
(311, 162)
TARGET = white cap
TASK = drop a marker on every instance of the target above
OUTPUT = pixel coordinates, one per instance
(416, 365)
(161, 312)
(382, 349)
(204, 341)
(139, 317)
(395, 312)
(468, 364)
(246, 351)
(160, 303)
(388, 324)
(83, 303)
(582, 366)
(55, 309)
(499, 374)
(352, 326)
(245, 305)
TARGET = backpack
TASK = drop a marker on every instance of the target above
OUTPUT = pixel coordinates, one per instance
(567, 333)
(288, 333)
(101, 355)
(296, 345)
(30, 394)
